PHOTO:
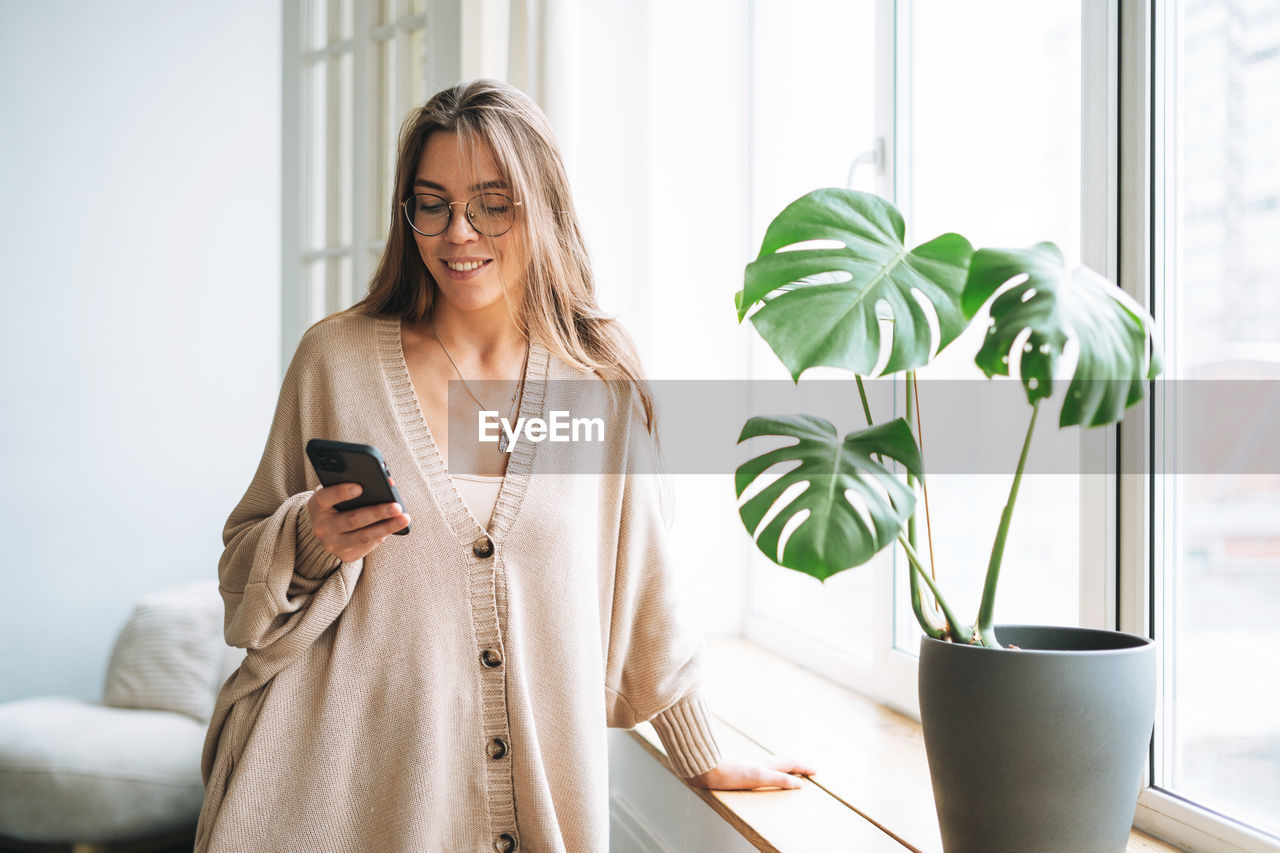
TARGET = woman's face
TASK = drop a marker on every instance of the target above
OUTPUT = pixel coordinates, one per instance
(469, 268)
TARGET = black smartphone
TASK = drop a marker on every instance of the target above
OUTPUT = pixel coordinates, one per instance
(342, 462)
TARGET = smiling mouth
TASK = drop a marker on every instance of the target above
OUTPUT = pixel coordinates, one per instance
(466, 266)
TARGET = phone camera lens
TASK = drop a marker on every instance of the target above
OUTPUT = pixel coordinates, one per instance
(325, 460)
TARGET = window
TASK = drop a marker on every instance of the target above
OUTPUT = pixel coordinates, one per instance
(997, 157)
(1144, 145)
(352, 71)
(1215, 488)
(913, 100)
(813, 106)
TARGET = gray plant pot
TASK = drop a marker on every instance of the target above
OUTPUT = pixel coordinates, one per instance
(1038, 750)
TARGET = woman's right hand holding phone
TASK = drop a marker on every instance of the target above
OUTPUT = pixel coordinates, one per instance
(351, 534)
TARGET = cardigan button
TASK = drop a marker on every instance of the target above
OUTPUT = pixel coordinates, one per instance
(505, 843)
(497, 748)
(491, 658)
(483, 547)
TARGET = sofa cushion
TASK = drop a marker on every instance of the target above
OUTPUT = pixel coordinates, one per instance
(169, 655)
(75, 771)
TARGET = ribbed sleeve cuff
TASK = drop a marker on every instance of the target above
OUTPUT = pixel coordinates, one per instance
(312, 560)
(685, 730)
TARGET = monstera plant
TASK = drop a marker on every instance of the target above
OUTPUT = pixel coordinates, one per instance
(860, 306)
(1064, 712)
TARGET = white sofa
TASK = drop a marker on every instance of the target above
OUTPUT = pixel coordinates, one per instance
(128, 769)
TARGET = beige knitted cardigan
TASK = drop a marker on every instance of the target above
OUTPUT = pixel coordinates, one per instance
(450, 691)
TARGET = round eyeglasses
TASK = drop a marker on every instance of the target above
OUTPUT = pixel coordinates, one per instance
(491, 214)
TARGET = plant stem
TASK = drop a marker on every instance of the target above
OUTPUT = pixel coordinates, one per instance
(924, 615)
(862, 392)
(986, 611)
(960, 632)
(924, 486)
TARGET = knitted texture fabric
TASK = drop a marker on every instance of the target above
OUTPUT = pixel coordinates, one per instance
(454, 686)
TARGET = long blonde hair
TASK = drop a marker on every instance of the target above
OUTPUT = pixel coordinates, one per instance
(559, 306)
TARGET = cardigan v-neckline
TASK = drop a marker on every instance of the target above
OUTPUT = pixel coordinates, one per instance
(422, 445)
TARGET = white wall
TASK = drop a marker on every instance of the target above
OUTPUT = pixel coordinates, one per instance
(139, 337)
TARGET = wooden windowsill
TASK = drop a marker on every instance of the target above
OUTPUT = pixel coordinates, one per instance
(871, 791)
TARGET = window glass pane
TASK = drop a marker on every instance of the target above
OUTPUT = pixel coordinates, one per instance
(1219, 526)
(813, 106)
(344, 285)
(315, 21)
(345, 14)
(995, 156)
(315, 181)
(344, 132)
(813, 100)
(387, 126)
(417, 70)
(315, 291)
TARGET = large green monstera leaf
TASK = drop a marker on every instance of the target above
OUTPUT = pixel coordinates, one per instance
(809, 320)
(836, 535)
(1054, 305)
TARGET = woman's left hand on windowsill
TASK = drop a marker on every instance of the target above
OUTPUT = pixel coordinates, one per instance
(743, 776)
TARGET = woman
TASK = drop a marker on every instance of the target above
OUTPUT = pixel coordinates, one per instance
(449, 689)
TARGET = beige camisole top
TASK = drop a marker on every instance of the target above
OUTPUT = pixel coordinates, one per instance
(479, 494)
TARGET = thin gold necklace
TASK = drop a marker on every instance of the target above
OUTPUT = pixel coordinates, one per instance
(519, 389)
